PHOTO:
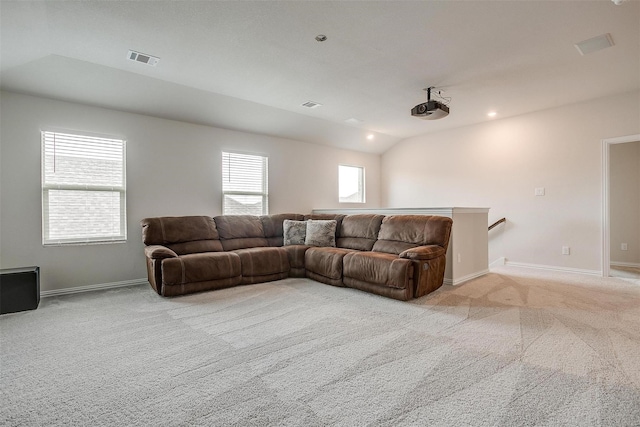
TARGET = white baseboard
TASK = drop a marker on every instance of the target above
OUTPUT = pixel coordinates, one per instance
(554, 268)
(89, 288)
(497, 263)
(625, 264)
(466, 278)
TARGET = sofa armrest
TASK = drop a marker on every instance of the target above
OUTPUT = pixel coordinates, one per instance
(423, 252)
(159, 252)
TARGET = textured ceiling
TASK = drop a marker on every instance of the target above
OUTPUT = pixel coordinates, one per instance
(250, 65)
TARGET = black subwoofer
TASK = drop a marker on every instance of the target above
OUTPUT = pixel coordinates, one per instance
(19, 289)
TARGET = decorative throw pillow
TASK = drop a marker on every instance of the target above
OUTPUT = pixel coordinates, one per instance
(321, 233)
(294, 232)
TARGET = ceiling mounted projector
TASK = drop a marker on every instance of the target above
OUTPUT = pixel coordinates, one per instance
(430, 110)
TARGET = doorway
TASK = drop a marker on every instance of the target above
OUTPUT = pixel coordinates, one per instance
(621, 207)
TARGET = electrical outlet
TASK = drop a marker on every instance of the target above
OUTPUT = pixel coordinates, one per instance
(623, 247)
(459, 258)
(539, 191)
(566, 250)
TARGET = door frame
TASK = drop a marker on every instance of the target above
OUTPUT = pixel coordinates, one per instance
(606, 181)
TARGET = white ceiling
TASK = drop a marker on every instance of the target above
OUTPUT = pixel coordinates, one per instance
(250, 65)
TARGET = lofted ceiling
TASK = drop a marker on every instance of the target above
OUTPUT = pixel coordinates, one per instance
(249, 66)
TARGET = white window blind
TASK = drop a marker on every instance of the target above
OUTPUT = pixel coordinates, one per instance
(83, 189)
(351, 184)
(244, 184)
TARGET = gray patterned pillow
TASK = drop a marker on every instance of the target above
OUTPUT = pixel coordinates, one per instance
(294, 232)
(321, 233)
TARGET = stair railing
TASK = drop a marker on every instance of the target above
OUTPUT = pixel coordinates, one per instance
(495, 224)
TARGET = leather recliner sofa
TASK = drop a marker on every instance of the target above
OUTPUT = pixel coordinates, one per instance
(397, 256)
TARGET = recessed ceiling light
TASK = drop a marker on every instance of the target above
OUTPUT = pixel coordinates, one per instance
(354, 121)
(492, 114)
(370, 137)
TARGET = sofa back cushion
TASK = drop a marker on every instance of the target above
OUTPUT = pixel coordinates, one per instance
(182, 234)
(359, 231)
(273, 226)
(240, 232)
(401, 232)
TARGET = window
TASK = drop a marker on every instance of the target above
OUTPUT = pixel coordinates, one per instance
(83, 189)
(351, 184)
(244, 184)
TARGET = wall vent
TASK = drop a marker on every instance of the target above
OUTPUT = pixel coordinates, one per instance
(143, 57)
(311, 104)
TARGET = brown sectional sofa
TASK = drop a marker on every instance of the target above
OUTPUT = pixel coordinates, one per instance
(397, 256)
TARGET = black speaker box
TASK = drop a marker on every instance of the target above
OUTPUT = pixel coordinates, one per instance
(19, 289)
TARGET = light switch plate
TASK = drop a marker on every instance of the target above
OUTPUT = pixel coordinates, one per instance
(539, 191)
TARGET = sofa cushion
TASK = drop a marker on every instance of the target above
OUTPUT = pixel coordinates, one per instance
(240, 231)
(200, 268)
(294, 232)
(324, 264)
(296, 254)
(401, 232)
(182, 235)
(168, 229)
(274, 228)
(197, 246)
(263, 261)
(321, 233)
(359, 231)
(378, 268)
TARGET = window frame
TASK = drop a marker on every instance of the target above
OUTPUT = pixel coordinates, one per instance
(264, 193)
(46, 189)
(361, 184)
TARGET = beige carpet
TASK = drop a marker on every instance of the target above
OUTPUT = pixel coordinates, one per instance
(628, 273)
(513, 348)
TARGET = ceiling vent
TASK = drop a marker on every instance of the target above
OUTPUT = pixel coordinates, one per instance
(311, 104)
(594, 44)
(143, 57)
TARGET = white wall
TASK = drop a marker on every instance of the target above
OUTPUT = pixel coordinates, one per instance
(624, 202)
(173, 168)
(499, 163)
